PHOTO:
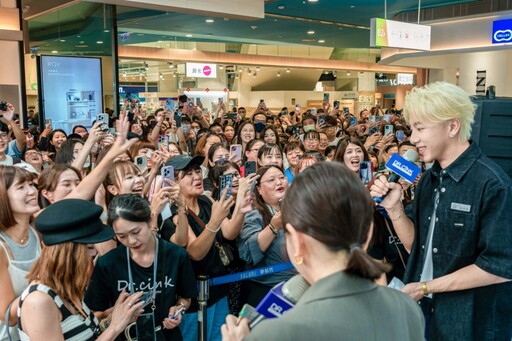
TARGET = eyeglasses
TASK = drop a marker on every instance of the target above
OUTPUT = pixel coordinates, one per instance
(4, 135)
(272, 181)
(32, 153)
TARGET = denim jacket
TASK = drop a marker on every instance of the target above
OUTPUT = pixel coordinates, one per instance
(473, 226)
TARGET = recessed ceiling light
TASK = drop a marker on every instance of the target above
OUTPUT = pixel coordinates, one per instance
(352, 6)
(188, 35)
(99, 42)
(278, 74)
(312, 0)
(280, 7)
(288, 70)
(106, 31)
(55, 51)
(321, 41)
(209, 21)
(221, 67)
(311, 32)
(62, 40)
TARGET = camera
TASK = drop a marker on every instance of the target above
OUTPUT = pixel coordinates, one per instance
(3, 106)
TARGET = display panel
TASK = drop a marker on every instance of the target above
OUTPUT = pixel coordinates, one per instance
(71, 90)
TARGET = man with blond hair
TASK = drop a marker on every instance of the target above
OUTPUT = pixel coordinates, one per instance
(459, 227)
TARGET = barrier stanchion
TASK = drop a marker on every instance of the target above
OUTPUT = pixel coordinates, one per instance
(202, 300)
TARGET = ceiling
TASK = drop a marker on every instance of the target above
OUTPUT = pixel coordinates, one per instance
(83, 28)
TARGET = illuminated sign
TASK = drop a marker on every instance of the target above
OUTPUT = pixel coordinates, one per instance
(388, 33)
(201, 70)
(502, 31)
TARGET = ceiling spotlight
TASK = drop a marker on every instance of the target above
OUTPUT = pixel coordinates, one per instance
(312, 0)
(169, 64)
(241, 69)
(62, 40)
(173, 75)
(99, 42)
(321, 41)
(258, 68)
(209, 21)
(141, 74)
(146, 66)
(288, 70)
(348, 73)
(124, 74)
(278, 74)
(326, 72)
(311, 32)
(280, 7)
(221, 67)
(188, 35)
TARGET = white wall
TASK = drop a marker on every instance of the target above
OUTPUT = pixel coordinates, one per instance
(498, 70)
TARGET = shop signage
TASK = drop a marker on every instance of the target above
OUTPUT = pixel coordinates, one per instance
(502, 31)
(201, 70)
(348, 94)
(388, 33)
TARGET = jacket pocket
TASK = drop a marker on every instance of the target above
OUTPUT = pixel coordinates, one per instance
(460, 234)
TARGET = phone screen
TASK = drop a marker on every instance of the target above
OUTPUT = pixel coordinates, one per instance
(235, 153)
(326, 97)
(365, 171)
(249, 168)
(225, 182)
(163, 142)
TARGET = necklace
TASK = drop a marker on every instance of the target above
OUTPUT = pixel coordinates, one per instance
(19, 240)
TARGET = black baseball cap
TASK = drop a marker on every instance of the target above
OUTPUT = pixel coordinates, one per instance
(73, 220)
(180, 162)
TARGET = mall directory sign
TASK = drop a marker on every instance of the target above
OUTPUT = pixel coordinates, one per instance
(502, 31)
(389, 33)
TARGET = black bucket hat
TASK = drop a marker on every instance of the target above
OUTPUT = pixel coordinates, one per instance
(73, 220)
(180, 162)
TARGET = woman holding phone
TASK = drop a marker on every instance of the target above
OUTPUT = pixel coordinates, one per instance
(52, 307)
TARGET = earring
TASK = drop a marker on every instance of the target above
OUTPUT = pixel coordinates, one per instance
(298, 259)
(451, 135)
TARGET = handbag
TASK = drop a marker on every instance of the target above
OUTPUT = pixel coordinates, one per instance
(225, 251)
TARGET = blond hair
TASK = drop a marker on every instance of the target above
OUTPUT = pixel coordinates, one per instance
(441, 102)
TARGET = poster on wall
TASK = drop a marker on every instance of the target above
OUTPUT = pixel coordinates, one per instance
(71, 90)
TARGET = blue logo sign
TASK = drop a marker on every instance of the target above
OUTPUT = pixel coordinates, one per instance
(406, 169)
(502, 31)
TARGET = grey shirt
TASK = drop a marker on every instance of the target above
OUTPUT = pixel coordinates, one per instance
(252, 255)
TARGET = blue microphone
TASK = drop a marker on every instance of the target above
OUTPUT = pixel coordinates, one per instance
(282, 297)
(402, 167)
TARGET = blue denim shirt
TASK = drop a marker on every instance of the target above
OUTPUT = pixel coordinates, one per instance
(473, 226)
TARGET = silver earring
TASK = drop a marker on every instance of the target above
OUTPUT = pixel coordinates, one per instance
(451, 136)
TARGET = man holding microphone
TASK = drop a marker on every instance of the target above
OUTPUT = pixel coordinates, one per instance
(458, 229)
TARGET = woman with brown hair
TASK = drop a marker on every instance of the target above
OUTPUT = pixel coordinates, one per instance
(351, 152)
(327, 215)
(52, 307)
(19, 242)
(262, 233)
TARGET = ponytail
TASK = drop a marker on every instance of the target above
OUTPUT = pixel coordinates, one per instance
(363, 265)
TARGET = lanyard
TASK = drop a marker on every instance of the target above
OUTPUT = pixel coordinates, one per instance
(155, 264)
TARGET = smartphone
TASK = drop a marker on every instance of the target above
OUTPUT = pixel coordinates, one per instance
(262, 100)
(198, 100)
(400, 135)
(104, 127)
(386, 118)
(231, 115)
(297, 107)
(103, 118)
(353, 121)
(235, 153)
(169, 105)
(249, 167)
(388, 129)
(141, 162)
(377, 119)
(346, 111)
(253, 186)
(365, 171)
(336, 104)
(314, 111)
(326, 97)
(372, 118)
(225, 182)
(220, 100)
(48, 123)
(321, 120)
(374, 130)
(167, 172)
(163, 142)
(295, 130)
(177, 313)
(177, 118)
(146, 298)
(190, 104)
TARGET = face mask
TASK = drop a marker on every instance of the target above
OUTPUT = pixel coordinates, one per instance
(185, 128)
(309, 127)
(259, 127)
(196, 130)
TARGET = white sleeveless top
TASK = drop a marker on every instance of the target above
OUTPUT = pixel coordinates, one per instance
(17, 273)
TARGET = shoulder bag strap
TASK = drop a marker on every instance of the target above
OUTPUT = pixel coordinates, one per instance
(394, 241)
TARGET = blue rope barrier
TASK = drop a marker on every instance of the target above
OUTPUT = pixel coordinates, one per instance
(249, 274)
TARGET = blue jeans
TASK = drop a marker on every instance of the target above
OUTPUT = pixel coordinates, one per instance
(215, 316)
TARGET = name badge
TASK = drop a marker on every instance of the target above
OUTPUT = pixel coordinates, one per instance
(460, 207)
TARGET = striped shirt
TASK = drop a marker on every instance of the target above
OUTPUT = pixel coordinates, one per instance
(74, 326)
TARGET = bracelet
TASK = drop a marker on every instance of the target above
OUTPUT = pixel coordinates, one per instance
(212, 231)
(424, 288)
(272, 228)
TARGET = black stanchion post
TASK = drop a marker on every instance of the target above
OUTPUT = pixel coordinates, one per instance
(202, 300)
